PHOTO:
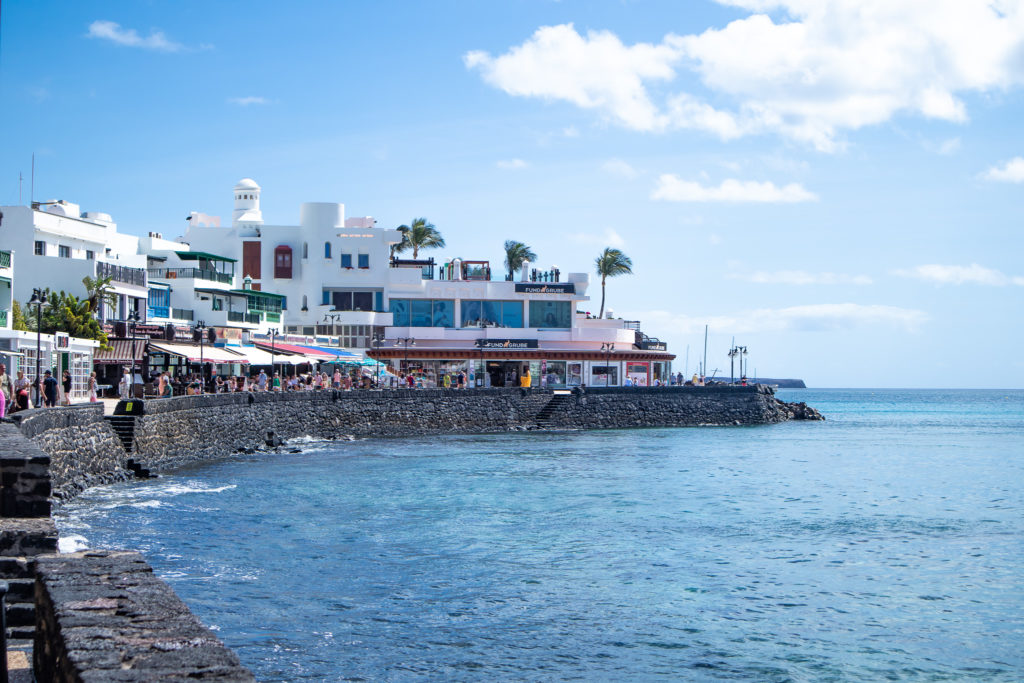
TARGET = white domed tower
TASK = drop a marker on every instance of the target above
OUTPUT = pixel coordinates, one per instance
(247, 203)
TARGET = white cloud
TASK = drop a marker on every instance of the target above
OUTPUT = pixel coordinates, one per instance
(815, 70)
(246, 101)
(714, 239)
(592, 72)
(511, 164)
(959, 275)
(619, 167)
(571, 132)
(1011, 171)
(809, 318)
(129, 37)
(801, 277)
(674, 189)
(608, 238)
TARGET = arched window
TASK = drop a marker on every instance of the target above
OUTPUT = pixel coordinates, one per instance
(283, 262)
(304, 306)
(305, 250)
(327, 250)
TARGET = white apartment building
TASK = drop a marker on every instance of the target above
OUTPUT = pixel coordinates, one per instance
(58, 245)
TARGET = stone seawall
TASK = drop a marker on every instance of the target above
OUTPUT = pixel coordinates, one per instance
(83, 449)
(175, 431)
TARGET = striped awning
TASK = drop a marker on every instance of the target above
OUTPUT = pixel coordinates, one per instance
(207, 354)
(120, 352)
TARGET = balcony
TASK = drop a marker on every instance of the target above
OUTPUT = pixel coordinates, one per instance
(5, 259)
(129, 276)
(426, 266)
(254, 318)
(158, 312)
(182, 313)
(235, 316)
(195, 273)
(273, 317)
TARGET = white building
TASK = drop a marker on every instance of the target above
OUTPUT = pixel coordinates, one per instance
(338, 279)
(58, 245)
(331, 272)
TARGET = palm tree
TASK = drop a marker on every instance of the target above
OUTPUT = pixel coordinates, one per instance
(610, 263)
(404, 244)
(515, 254)
(419, 235)
(99, 291)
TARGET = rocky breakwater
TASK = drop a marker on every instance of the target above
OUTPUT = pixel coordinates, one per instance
(686, 406)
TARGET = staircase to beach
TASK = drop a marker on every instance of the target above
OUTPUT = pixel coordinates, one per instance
(544, 417)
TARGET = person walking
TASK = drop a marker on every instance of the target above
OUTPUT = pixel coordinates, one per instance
(337, 379)
(50, 386)
(93, 386)
(261, 381)
(6, 390)
(66, 386)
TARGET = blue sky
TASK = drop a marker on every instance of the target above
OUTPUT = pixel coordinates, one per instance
(838, 185)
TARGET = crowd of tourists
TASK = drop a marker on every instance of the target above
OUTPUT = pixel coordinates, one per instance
(167, 385)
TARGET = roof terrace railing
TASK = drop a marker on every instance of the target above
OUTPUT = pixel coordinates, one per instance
(131, 276)
(197, 273)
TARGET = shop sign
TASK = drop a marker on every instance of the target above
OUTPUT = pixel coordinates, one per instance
(229, 334)
(545, 288)
(61, 341)
(157, 331)
(654, 346)
(506, 343)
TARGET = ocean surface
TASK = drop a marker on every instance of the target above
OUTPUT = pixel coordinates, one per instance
(886, 543)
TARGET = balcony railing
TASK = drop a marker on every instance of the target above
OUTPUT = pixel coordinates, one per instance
(273, 317)
(131, 276)
(253, 318)
(3, 318)
(158, 312)
(197, 273)
(235, 316)
(182, 313)
(5, 259)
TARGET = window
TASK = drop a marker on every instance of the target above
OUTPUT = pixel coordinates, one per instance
(218, 304)
(305, 250)
(352, 301)
(492, 314)
(327, 250)
(327, 298)
(550, 314)
(40, 248)
(346, 260)
(64, 251)
(90, 254)
(284, 304)
(423, 312)
(283, 262)
(305, 303)
(364, 260)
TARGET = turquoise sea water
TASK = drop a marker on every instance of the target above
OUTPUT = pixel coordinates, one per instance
(886, 543)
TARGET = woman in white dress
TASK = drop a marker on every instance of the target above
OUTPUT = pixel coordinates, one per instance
(93, 385)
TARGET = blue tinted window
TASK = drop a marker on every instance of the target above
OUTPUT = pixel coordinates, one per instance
(422, 313)
(327, 298)
(470, 313)
(378, 301)
(491, 313)
(550, 314)
(364, 260)
(512, 314)
(346, 260)
(327, 250)
(400, 312)
(444, 313)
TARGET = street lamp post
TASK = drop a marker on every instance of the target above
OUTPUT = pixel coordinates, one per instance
(732, 371)
(38, 300)
(378, 339)
(608, 348)
(201, 328)
(273, 338)
(406, 342)
(133, 321)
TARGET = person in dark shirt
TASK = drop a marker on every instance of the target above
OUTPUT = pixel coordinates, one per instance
(49, 389)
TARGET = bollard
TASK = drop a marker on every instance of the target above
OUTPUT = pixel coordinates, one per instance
(3, 631)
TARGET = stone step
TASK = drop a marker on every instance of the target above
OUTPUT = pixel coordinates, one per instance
(21, 614)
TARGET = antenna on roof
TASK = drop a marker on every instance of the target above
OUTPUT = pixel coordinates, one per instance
(32, 192)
